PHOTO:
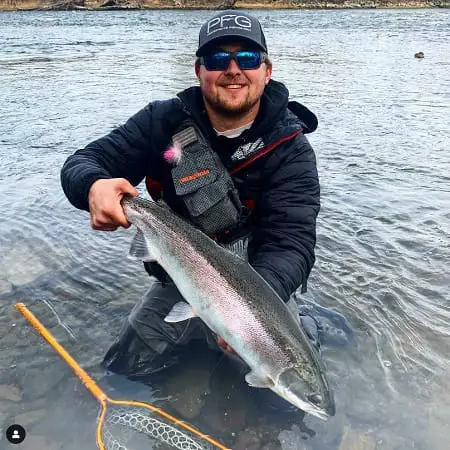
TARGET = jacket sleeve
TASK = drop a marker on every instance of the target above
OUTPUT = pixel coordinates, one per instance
(123, 153)
(285, 225)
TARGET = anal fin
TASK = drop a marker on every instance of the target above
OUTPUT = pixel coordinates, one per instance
(180, 311)
(255, 379)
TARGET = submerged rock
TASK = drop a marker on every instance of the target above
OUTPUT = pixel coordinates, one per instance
(261, 436)
(30, 417)
(38, 382)
(188, 391)
(3, 416)
(28, 262)
(228, 421)
(354, 439)
(291, 439)
(20, 266)
(247, 440)
(10, 392)
(34, 442)
(5, 286)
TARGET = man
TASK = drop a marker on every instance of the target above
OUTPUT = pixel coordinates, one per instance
(260, 195)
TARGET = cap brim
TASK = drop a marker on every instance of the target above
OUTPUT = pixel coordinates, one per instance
(214, 43)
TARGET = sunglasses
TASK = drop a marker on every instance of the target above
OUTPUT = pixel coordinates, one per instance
(246, 60)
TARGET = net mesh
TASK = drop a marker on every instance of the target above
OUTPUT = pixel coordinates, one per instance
(136, 428)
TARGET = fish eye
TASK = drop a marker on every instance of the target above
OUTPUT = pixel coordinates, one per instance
(316, 399)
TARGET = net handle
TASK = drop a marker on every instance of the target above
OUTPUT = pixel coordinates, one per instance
(92, 385)
(84, 377)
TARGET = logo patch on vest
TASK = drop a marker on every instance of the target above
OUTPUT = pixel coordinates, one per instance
(194, 176)
(247, 150)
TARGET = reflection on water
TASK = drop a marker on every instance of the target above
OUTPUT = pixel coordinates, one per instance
(383, 233)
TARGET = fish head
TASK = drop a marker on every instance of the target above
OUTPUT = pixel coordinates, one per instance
(150, 220)
(307, 391)
(138, 210)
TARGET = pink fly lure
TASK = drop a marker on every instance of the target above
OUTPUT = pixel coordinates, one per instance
(173, 154)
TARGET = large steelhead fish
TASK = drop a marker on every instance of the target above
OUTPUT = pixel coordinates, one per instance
(235, 302)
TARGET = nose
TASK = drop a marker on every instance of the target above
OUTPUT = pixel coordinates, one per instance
(232, 67)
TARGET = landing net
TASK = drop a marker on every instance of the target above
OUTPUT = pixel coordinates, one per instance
(130, 425)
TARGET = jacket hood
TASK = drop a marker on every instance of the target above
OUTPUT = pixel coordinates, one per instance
(274, 103)
(307, 117)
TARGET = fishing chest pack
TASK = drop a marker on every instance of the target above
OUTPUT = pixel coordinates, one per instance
(204, 185)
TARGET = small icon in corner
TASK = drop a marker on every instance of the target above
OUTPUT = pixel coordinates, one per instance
(15, 434)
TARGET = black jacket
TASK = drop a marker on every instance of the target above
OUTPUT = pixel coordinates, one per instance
(272, 164)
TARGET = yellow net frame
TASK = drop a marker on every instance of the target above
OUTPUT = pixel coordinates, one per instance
(103, 399)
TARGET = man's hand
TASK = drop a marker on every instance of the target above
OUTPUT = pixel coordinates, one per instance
(224, 346)
(104, 203)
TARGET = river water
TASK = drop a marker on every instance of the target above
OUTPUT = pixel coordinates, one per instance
(383, 232)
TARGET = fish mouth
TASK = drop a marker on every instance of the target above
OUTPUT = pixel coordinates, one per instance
(320, 408)
(312, 409)
(322, 412)
(314, 398)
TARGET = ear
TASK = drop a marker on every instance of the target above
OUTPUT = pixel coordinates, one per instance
(197, 70)
(268, 73)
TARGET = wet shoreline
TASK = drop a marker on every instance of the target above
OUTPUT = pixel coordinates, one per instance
(46, 5)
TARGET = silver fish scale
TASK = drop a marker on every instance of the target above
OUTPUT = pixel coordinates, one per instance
(241, 303)
(229, 295)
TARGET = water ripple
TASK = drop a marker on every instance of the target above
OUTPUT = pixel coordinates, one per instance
(383, 231)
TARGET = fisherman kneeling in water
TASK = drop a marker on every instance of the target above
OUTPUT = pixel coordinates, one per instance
(247, 178)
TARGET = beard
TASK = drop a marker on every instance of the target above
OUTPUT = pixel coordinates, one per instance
(226, 108)
(225, 105)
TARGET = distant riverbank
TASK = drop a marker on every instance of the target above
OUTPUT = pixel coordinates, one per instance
(23, 5)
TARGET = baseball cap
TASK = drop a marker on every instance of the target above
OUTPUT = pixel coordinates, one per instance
(229, 25)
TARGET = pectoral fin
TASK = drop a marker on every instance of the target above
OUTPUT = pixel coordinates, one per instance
(180, 311)
(257, 380)
(139, 248)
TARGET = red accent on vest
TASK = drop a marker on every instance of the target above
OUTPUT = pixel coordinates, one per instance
(155, 188)
(265, 151)
(250, 204)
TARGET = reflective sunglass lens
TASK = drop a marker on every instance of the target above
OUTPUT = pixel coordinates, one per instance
(245, 60)
(217, 61)
(248, 60)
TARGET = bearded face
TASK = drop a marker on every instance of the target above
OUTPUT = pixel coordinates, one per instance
(233, 91)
